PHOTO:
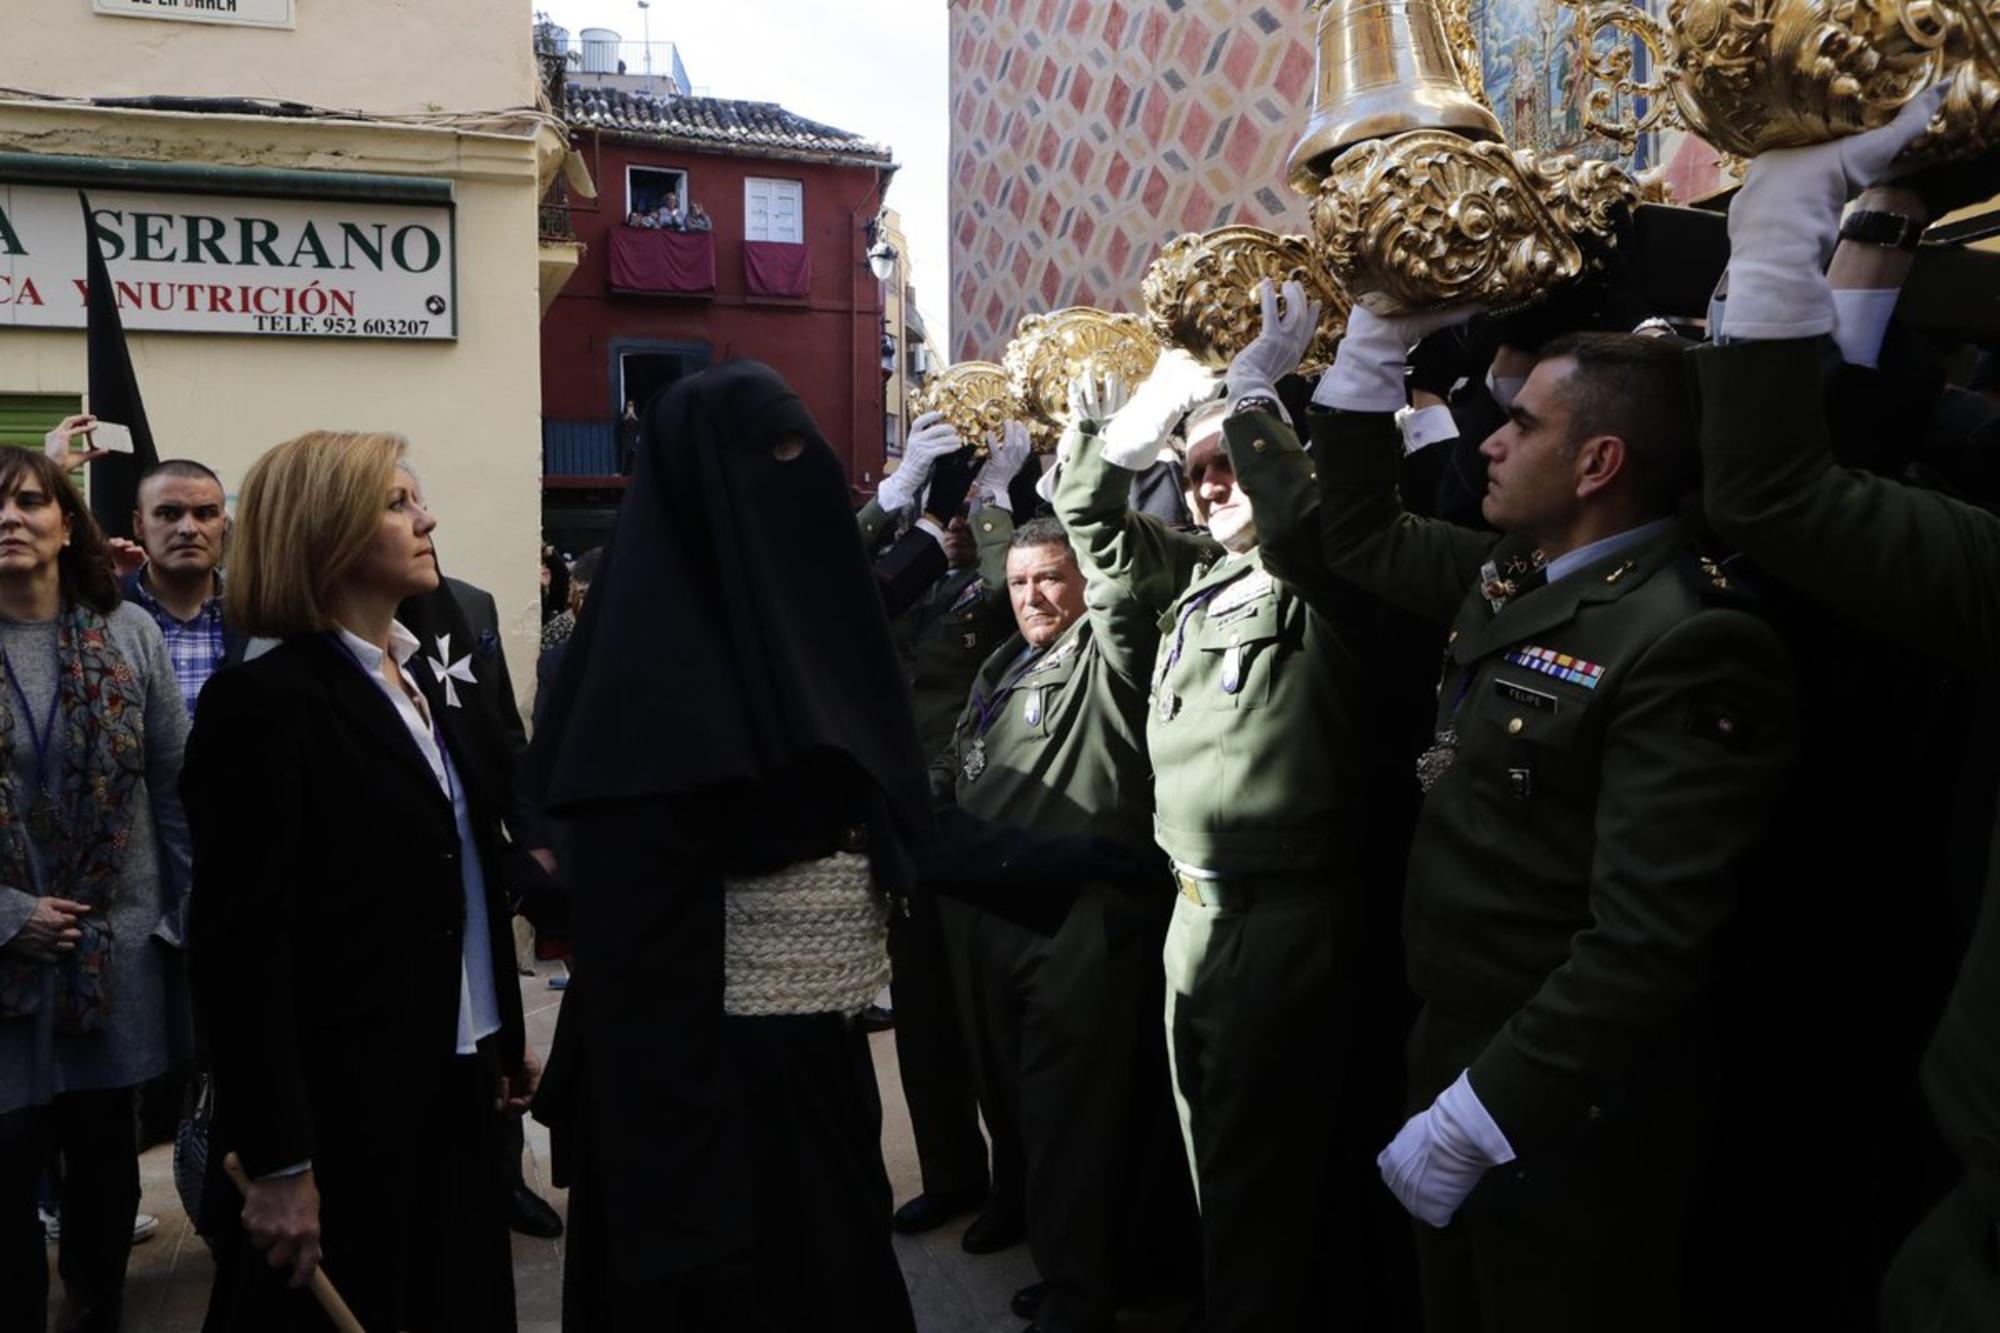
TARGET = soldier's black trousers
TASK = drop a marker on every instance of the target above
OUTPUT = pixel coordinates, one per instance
(930, 1055)
(1583, 1236)
(1052, 1022)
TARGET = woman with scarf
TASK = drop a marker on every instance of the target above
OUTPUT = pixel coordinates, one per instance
(733, 753)
(93, 860)
(336, 792)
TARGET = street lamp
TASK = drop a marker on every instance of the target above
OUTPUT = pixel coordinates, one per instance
(646, 15)
(882, 260)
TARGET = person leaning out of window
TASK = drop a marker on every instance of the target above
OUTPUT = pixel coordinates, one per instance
(332, 807)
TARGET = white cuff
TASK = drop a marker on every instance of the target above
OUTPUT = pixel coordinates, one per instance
(1465, 1118)
(931, 530)
(1425, 426)
(1861, 321)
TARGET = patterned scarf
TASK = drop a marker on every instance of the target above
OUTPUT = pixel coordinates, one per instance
(103, 718)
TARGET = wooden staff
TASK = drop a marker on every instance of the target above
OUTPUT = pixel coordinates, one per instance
(322, 1286)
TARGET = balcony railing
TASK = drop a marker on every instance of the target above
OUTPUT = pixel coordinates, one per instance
(552, 223)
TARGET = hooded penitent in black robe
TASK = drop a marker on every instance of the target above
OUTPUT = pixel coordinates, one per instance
(730, 705)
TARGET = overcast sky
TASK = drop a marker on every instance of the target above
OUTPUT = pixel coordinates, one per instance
(877, 69)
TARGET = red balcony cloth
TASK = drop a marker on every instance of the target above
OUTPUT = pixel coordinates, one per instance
(670, 262)
(777, 268)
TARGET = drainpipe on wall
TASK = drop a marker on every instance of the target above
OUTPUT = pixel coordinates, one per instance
(857, 375)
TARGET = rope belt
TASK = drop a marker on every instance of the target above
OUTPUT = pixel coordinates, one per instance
(811, 939)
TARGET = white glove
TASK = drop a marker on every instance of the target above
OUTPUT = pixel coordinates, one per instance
(1374, 356)
(1440, 1154)
(1095, 399)
(1144, 426)
(1785, 220)
(1004, 462)
(931, 438)
(1280, 343)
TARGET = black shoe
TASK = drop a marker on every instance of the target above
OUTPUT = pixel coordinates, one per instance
(992, 1231)
(1027, 1302)
(530, 1214)
(928, 1211)
(876, 1019)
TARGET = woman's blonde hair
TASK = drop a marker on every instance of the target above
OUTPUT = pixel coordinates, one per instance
(308, 508)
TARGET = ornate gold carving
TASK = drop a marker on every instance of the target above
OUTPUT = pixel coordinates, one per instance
(1201, 293)
(1429, 218)
(1050, 351)
(1458, 32)
(974, 398)
(1753, 75)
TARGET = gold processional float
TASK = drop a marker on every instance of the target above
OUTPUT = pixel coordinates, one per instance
(1418, 201)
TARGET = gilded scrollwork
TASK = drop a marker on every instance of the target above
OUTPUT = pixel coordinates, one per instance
(1050, 351)
(1429, 218)
(974, 398)
(1753, 75)
(1201, 292)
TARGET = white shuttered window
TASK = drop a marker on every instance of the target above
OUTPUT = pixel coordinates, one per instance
(774, 210)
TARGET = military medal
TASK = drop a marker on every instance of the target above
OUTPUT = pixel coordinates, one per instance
(1232, 669)
(1031, 708)
(1435, 762)
(975, 760)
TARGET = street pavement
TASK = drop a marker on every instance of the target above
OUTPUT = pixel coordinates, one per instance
(166, 1287)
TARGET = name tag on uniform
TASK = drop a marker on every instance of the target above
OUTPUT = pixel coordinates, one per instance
(1521, 694)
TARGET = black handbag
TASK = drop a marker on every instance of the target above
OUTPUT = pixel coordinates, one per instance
(191, 1148)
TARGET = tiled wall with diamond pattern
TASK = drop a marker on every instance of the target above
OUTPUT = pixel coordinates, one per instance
(1088, 133)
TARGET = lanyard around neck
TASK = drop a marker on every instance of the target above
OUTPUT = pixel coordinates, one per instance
(41, 738)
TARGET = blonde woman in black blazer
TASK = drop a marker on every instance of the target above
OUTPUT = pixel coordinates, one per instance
(334, 792)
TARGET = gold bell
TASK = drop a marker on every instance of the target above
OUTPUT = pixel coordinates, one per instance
(1386, 67)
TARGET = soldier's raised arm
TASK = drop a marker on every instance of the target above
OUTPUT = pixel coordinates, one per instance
(1134, 566)
(1422, 564)
(1904, 561)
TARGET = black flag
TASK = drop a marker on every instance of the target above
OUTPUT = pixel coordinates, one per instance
(114, 397)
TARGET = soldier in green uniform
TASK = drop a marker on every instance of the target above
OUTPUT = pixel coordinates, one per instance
(1613, 729)
(1253, 726)
(1051, 742)
(941, 639)
(1905, 562)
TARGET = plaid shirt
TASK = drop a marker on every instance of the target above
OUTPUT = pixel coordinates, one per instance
(195, 646)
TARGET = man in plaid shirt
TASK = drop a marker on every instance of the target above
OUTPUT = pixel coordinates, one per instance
(180, 524)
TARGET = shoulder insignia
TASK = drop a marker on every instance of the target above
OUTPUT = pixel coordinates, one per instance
(1562, 666)
(1715, 579)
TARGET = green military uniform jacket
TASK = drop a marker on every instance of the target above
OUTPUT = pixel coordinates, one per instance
(944, 637)
(1616, 741)
(1055, 743)
(1906, 562)
(1252, 722)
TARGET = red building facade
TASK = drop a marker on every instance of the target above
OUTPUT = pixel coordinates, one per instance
(781, 277)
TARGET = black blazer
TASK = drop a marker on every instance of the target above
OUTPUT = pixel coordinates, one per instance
(327, 906)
